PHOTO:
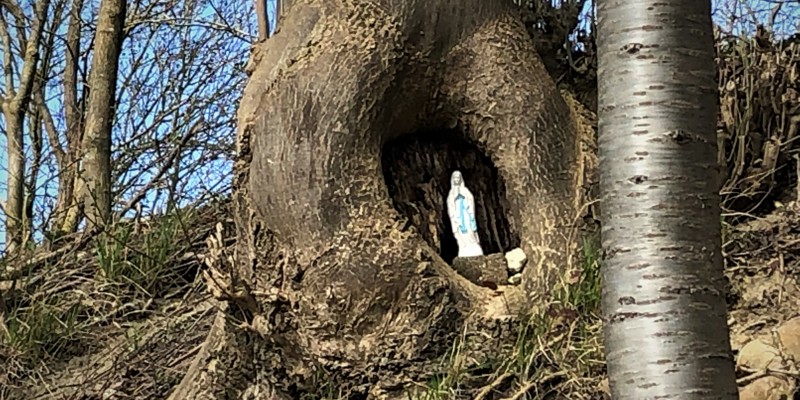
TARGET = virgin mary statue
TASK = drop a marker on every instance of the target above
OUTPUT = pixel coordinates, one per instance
(461, 210)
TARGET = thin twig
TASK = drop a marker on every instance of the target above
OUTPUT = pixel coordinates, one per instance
(530, 385)
(493, 386)
(760, 373)
(164, 168)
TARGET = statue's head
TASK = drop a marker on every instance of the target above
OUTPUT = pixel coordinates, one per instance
(456, 179)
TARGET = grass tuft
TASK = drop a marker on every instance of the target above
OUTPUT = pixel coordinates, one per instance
(128, 267)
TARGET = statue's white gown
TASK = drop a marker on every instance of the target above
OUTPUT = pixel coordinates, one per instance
(461, 210)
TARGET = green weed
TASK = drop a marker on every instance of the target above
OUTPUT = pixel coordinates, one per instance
(130, 269)
(144, 266)
(41, 328)
(446, 382)
(583, 290)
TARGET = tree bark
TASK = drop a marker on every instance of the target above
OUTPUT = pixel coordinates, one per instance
(328, 279)
(16, 177)
(663, 293)
(96, 145)
(68, 209)
(263, 19)
(14, 108)
(36, 119)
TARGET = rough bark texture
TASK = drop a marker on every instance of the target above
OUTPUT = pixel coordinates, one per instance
(14, 107)
(330, 282)
(68, 207)
(96, 162)
(663, 295)
(483, 270)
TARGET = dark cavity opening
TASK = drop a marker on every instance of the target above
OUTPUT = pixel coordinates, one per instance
(417, 171)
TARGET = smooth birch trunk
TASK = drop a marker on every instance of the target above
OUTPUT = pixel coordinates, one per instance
(663, 298)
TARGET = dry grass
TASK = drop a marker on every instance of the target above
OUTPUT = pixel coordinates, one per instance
(557, 352)
(101, 289)
(759, 120)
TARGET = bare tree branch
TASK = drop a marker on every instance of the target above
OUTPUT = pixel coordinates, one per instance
(31, 55)
(263, 19)
(163, 170)
(8, 69)
(187, 23)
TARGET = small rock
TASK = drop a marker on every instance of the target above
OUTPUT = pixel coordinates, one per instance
(789, 334)
(604, 388)
(515, 260)
(515, 279)
(767, 388)
(758, 355)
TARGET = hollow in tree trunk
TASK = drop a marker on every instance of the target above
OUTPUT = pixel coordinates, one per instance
(340, 268)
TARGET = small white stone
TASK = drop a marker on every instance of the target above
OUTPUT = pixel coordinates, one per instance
(516, 259)
(515, 279)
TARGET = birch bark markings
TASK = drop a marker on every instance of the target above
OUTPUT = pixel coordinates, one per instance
(664, 310)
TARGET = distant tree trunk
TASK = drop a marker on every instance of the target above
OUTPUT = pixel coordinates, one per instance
(329, 283)
(36, 118)
(263, 19)
(96, 146)
(280, 10)
(16, 177)
(15, 107)
(37, 145)
(68, 206)
(663, 295)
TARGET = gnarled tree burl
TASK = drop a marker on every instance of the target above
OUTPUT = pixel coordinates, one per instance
(328, 279)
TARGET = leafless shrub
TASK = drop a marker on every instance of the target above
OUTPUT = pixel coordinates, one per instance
(759, 84)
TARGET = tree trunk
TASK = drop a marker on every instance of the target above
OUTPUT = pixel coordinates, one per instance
(263, 19)
(36, 147)
(663, 295)
(16, 178)
(14, 108)
(68, 209)
(96, 146)
(36, 119)
(330, 282)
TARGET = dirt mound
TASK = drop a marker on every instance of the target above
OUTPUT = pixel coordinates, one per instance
(763, 267)
(118, 312)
